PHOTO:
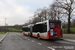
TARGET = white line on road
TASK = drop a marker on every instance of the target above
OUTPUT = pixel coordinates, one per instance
(28, 39)
(51, 48)
(25, 37)
(19, 34)
(69, 40)
(33, 41)
(39, 43)
(65, 42)
(13, 34)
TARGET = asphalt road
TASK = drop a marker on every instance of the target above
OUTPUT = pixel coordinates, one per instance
(17, 41)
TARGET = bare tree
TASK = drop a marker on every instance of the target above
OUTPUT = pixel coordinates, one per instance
(68, 7)
(41, 13)
(35, 20)
(58, 12)
(52, 12)
(44, 13)
(55, 12)
(38, 13)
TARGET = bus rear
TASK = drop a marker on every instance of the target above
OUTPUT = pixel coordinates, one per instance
(55, 29)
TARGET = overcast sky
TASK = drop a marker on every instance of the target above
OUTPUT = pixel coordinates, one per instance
(19, 11)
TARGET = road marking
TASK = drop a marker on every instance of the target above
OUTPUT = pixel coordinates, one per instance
(69, 40)
(39, 43)
(25, 37)
(33, 41)
(28, 39)
(65, 42)
(51, 48)
(9, 34)
(13, 34)
(18, 34)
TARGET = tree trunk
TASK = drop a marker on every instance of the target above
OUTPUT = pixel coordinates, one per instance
(52, 18)
(58, 18)
(68, 30)
(40, 19)
(45, 16)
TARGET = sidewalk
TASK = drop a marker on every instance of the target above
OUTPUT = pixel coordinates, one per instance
(2, 36)
(69, 36)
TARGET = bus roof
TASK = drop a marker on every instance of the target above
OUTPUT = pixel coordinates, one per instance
(25, 26)
(42, 22)
(30, 25)
(49, 21)
(54, 21)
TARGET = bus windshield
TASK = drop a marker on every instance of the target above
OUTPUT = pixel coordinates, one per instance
(55, 25)
(26, 29)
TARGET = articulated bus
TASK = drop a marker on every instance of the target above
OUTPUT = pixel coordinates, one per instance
(49, 29)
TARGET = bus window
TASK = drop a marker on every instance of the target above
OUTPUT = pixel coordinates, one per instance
(37, 28)
(44, 27)
(40, 28)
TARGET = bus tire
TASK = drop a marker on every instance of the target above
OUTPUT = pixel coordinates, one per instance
(38, 36)
(29, 34)
(24, 34)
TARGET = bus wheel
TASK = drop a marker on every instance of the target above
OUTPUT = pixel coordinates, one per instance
(29, 34)
(38, 36)
(24, 34)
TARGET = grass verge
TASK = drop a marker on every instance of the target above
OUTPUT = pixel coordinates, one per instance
(71, 29)
(2, 32)
(14, 29)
